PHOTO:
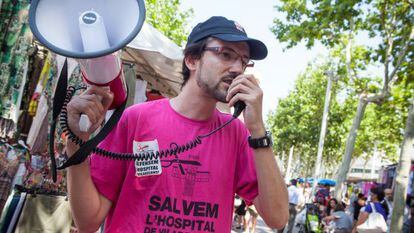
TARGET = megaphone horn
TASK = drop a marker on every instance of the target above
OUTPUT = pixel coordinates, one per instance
(91, 31)
(57, 24)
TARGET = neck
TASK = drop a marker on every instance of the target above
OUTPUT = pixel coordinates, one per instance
(193, 103)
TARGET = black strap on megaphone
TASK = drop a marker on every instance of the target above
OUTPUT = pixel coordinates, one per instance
(58, 100)
(82, 153)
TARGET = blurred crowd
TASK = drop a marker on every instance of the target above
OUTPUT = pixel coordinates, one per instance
(322, 213)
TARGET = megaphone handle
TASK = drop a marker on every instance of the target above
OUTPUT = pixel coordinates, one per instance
(84, 122)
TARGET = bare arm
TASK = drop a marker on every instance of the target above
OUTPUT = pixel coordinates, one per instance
(89, 207)
(363, 216)
(272, 201)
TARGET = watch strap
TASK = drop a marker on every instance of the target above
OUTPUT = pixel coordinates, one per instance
(262, 142)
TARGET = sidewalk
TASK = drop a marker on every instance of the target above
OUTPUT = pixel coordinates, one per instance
(262, 228)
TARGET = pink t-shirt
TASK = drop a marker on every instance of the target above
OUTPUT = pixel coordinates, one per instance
(194, 192)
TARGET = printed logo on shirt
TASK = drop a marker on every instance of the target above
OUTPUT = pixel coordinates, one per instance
(177, 215)
(150, 166)
(188, 170)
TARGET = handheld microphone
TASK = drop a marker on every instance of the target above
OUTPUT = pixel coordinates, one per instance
(239, 106)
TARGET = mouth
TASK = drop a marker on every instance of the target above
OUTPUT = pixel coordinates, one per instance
(228, 81)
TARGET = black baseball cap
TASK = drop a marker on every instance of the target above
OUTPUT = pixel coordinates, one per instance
(227, 30)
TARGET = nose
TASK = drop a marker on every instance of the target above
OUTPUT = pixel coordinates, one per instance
(237, 66)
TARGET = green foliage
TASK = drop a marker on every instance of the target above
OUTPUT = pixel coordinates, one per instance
(317, 20)
(386, 24)
(166, 16)
(297, 120)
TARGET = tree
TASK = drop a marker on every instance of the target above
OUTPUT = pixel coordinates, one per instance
(166, 16)
(403, 170)
(297, 120)
(335, 23)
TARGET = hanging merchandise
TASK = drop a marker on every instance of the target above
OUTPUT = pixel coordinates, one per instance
(8, 211)
(40, 119)
(7, 127)
(15, 42)
(140, 89)
(8, 169)
(10, 226)
(40, 211)
(130, 80)
(11, 159)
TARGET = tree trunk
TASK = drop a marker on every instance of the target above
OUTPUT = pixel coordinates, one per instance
(403, 171)
(322, 134)
(374, 161)
(289, 165)
(349, 149)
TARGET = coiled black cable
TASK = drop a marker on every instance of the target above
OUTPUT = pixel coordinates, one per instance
(174, 150)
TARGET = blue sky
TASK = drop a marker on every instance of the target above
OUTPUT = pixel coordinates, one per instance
(280, 69)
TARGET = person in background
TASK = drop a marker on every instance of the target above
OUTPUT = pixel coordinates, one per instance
(322, 195)
(241, 216)
(342, 222)
(388, 200)
(377, 196)
(307, 192)
(359, 204)
(408, 226)
(353, 200)
(251, 223)
(295, 199)
(331, 206)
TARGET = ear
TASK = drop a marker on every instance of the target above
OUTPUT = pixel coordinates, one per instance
(191, 62)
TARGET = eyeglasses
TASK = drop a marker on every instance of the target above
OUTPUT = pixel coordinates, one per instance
(230, 56)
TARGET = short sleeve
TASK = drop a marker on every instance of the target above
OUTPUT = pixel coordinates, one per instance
(246, 179)
(108, 174)
(368, 208)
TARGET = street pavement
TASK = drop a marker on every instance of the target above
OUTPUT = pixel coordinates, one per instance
(261, 227)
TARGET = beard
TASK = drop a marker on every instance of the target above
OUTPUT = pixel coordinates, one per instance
(212, 88)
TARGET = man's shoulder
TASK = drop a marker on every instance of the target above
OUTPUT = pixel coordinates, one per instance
(155, 105)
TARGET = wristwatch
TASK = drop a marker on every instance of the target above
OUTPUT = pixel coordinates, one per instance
(262, 142)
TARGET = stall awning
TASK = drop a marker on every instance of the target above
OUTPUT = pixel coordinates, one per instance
(157, 60)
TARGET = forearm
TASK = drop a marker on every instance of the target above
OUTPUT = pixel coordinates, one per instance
(363, 216)
(85, 201)
(273, 198)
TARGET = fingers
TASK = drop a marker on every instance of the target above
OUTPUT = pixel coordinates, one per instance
(94, 103)
(240, 88)
(244, 88)
(237, 97)
(105, 94)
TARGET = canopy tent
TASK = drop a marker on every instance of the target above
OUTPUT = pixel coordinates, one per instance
(157, 60)
(321, 181)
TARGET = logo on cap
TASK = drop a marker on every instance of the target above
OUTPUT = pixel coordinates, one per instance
(239, 27)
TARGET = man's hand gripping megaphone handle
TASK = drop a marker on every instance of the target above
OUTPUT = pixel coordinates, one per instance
(84, 122)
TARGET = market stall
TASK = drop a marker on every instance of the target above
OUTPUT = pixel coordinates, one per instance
(28, 77)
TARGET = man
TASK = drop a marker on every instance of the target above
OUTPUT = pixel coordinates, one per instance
(388, 199)
(296, 199)
(192, 191)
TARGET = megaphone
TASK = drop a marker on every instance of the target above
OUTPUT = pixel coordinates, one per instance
(91, 31)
